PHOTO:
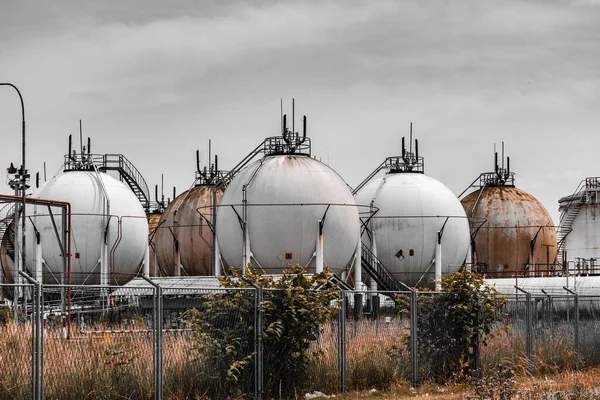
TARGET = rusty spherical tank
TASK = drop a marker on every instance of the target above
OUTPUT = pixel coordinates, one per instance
(186, 222)
(513, 232)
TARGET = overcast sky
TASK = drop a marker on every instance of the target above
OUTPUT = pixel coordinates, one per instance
(154, 80)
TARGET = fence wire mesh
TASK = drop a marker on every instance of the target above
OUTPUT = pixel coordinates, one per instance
(16, 341)
(377, 332)
(223, 343)
(209, 343)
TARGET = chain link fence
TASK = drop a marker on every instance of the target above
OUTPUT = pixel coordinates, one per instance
(146, 342)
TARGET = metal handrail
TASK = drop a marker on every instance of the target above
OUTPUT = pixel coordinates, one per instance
(379, 272)
(113, 162)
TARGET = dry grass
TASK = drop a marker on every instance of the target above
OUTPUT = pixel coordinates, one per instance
(120, 365)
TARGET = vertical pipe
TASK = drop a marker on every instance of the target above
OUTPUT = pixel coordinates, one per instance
(438, 262)
(319, 250)
(245, 234)
(104, 259)
(63, 272)
(38, 257)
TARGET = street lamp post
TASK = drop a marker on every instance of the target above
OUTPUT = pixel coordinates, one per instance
(23, 174)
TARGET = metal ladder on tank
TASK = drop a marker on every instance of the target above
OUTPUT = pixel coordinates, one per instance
(385, 279)
(128, 173)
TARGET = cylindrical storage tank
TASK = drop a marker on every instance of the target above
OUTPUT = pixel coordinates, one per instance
(410, 209)
(106, 214)
(286, 196)
(580, 226)
(513, 232)
(185, 226)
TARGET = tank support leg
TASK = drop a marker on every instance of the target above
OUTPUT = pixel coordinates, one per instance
(438, 262)
(217, 258)
(146, 269)
(319, 257)
(358, 266)
(247, 253)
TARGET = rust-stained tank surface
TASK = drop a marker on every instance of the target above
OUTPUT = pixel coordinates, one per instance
(512, 230)
(185, 220)
(153, 220)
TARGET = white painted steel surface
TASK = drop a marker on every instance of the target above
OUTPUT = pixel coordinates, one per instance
(584, 239)
(286, 197)
(412, 209)
(126, 250)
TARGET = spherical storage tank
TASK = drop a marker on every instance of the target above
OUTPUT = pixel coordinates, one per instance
(99, 203)
(184, 228)
(512, 230)
(286, 194)
(408, 209)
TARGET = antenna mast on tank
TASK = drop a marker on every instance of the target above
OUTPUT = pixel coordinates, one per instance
(502, 175)
(409, 161)
(293, 142)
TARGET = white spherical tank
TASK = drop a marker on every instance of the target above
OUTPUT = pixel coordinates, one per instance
(122, 217)
(286, 196)
(411, 209)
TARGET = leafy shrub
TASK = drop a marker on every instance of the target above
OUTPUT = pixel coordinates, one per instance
(294, 307)
(452, 324)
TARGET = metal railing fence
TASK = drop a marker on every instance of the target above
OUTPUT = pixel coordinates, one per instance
(154, 342)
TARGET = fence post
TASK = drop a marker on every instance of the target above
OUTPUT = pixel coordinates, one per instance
(258, 339)
(529, 330)
(342, 344)
(157, 316)
(259, 344)
(414, 357)
(37, 370)
(577, 352)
